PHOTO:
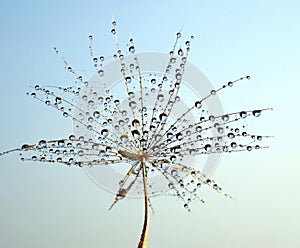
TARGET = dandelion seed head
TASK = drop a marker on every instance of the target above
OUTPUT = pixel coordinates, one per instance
(144, 108)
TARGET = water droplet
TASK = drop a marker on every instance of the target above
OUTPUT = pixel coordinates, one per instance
(259, 138)
(199, 129)
(211, 118)
(25, 146)
(42, 143)
(101, 73)
(165, 166)
(233, 145)
(160, 97)
(124, 138)
(136, 134)
(256, 113)
(249, 148)
(179, 136)
(113, 31)
(104, 132)
(96, 114)
(180, 52)
(61, 143)
(178, 35)
(128, 80)
(213, 92)
(163, 117)
(243, 114)
(173, 158)
(131, 94)
(174, 173)
(198, 104)
(248, 77)
(135, 123)
(230, 135)
(230, 84)
(131, 49)
(208, 148)
(220, 130)
(153, 80)
(58, 100)
(132, 104)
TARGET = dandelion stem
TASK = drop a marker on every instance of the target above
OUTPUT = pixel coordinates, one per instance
(143, 239)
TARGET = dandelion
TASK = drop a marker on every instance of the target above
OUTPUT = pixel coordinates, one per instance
(144, 124)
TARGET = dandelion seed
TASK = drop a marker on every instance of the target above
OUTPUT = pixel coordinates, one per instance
(145, 119)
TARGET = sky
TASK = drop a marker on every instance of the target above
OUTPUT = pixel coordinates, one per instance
(46, 205)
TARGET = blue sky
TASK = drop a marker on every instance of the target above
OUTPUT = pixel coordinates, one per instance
(54, 206)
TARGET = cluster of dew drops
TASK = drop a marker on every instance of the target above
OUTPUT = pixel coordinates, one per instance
(116, 130)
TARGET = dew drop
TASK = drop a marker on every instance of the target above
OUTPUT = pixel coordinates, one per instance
(256, 113)
(104, 132)
(198, 104)
(180, 52)
(124, 138)
(160, 97)
(128, 80)
(233, 145)
(230, 135)
(135, 123)
(101, 73)
(25, 146)
(58, 100)
(163, 117)
(213, 92)
(61, 143)
(249, 148)
(243, 114)
(211, 118)
(136, 134)
(132, 104)
(131, 49)
(96, 114)
(165, 166)
(208, 148)
(173, 158)
(179, 136)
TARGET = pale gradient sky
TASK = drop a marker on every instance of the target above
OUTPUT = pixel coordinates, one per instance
(46, 205)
